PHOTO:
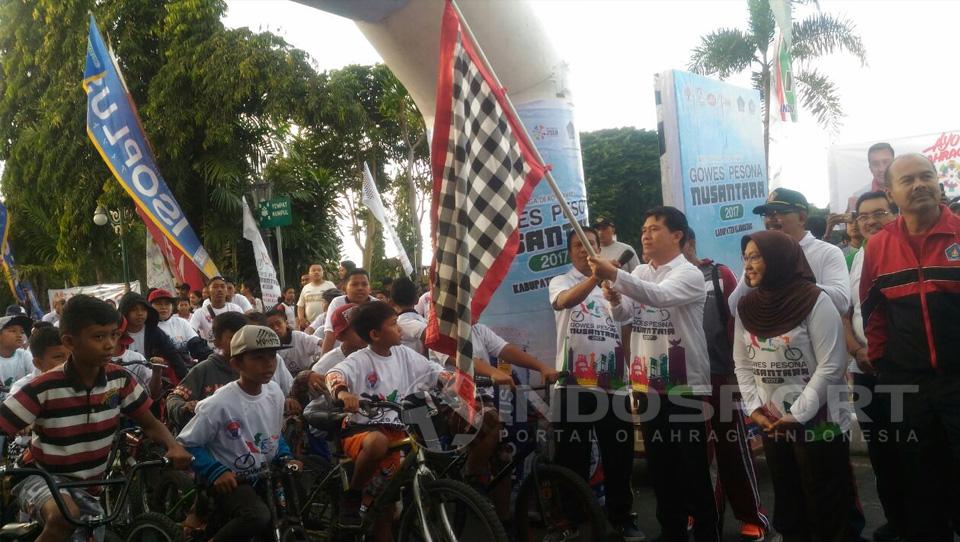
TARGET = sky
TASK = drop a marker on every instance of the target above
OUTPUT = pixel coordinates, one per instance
(614, 48)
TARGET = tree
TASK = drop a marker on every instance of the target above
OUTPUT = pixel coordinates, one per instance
(621, 169)
(729, 51)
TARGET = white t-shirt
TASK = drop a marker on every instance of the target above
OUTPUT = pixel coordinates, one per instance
(798, 372)
(392, 377)
(282, 376)
(202, 321)
(53, 318)
(291, 313)
(178, 330)
(487, 346)
(142, 373)
(615, 250)
(667, 346)
(829, 268)
(311, 298)
(334, 305)
(588, 338)
(856, 270)
(240, 301)
(138, 338)
(411, 329)
(303, 350)
(329, 361)
(241, 431)
(423, 304)
(17, 366)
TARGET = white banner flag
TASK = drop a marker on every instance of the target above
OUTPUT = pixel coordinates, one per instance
(269, 287)
(158, 276)
(371, 198)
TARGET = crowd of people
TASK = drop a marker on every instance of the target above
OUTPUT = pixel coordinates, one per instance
(700, 357)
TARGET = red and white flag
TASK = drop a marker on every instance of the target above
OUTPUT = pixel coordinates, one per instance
(484, 171)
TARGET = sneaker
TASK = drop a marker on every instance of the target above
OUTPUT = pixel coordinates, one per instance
(630, 532)
(349, 513)
(751, 533)
(887, 533)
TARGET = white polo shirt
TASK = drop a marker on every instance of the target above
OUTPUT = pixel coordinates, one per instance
(667, 347)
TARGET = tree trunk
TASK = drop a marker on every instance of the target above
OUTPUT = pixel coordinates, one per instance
(414, 215)
(370, 241)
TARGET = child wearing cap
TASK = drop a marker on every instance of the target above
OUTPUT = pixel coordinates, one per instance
(236, 432)
(15, 362)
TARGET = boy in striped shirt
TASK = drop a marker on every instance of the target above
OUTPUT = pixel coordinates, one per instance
(75, 411)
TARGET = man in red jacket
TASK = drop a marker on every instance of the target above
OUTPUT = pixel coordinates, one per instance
(910, 289)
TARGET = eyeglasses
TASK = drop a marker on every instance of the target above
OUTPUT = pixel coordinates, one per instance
(752, 259)
(877, 215)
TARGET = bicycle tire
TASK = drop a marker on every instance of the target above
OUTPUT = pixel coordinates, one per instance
(573, 495)
(154, 527)
(168, 488)
(480, 507)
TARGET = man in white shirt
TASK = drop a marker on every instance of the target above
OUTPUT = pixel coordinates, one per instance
(202, 319)
(310, 304)
(178, 329)
(612, 249)
(589, 349)
(238, 300)
(669, 371)
(56, 308)
(786, 211)
(874, 211)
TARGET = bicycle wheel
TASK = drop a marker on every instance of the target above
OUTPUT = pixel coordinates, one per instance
(153, 527)
(167, 495)
(455, 512)
(563, 507)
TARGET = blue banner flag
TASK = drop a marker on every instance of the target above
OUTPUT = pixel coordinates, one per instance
(21, 289)
(115, 130)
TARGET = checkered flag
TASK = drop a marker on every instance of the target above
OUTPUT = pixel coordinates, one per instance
(483, 175)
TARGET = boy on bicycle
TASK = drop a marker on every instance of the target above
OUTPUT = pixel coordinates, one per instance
(384, 369)
(75, 410)
(237, 431)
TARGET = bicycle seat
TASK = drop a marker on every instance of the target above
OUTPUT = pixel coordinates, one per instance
(323, 420)
(17, 531)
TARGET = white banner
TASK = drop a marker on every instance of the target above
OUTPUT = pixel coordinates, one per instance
(371, 198)
(269, 287)
(850, 175)
(106, 292)
(158, 276)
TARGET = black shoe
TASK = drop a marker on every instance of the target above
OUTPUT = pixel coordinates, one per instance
(629, 532)
(349, 513)
(887, 533)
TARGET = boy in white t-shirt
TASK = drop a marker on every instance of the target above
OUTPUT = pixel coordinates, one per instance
(236, 432)
(48, 353)
(384, 369)
(15, 362)
(303, 349)
(357, 292)
(202, 319)
(403, 297)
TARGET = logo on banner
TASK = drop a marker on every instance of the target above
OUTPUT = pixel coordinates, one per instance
(541, 132)
(953, 252)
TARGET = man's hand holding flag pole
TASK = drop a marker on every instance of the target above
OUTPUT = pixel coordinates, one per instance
(485, 167)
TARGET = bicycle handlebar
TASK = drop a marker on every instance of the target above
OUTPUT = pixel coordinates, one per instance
(55, 488)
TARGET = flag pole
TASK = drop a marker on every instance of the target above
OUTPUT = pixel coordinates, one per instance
(568, 213)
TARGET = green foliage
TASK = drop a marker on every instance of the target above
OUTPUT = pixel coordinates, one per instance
(621, 168)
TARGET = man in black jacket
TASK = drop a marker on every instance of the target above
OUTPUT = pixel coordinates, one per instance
(143, 335)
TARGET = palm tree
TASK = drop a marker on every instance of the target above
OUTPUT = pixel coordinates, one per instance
(729, 51)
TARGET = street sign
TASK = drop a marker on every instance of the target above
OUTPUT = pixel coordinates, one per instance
(275, 213)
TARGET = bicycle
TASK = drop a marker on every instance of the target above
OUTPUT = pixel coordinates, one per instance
(434, 509)
(553, 502)
(145, 527)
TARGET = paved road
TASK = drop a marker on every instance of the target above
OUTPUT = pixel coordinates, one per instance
(645, 503)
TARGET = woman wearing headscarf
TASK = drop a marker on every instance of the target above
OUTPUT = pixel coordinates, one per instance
(789, 357)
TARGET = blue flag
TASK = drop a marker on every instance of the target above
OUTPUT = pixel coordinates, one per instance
(21, 289)
(113, 126)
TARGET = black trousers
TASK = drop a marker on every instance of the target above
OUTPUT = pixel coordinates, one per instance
(677, 443)
(614, 431)
(931, 454)
(882, 436)
(812, 486)
(247, 514)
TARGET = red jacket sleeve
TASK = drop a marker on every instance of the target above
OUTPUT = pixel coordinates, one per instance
(873, 304)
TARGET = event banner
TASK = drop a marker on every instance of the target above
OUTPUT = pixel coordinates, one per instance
(106, 292)
(371, 198)
(22, 290)
(115, 130)
(712, 165)
(520, 310)
(850, 175)
(270, 291)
